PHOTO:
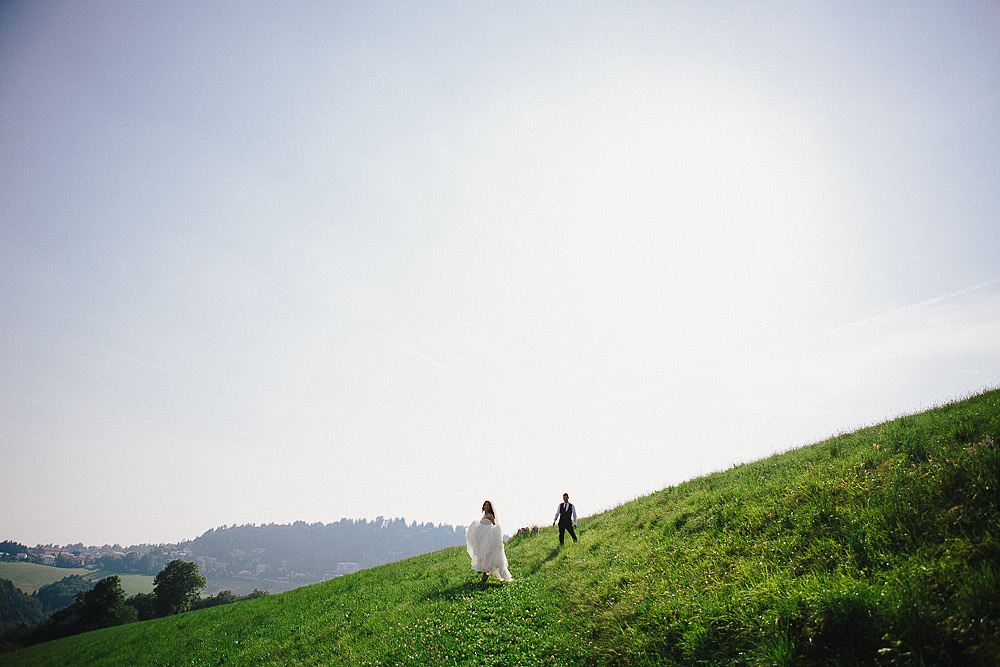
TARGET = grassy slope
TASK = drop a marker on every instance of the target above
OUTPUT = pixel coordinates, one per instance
(29, 577)
(876, 547)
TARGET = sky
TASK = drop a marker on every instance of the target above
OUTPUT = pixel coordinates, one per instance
(270, 262)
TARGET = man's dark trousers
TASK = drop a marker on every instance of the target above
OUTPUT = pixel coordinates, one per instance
(566, 521)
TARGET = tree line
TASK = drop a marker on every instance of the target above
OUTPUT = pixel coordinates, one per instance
(287, 551)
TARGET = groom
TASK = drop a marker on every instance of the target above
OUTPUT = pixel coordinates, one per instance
(566, 517)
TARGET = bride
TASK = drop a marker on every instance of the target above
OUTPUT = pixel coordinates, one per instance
(484, 541)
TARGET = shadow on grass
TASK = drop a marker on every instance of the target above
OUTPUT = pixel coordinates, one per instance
(537, 566)
(465, 590)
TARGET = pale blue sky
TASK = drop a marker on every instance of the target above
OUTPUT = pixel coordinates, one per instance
(271, 262)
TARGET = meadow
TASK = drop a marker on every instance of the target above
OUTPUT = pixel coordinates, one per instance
(878, 547)
(29, 577)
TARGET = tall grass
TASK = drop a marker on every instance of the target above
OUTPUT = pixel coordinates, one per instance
(877, 547)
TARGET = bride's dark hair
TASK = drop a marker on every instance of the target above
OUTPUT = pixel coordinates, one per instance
(485, 503)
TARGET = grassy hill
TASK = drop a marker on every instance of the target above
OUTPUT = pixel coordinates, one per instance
(29, 577)
(878, 547)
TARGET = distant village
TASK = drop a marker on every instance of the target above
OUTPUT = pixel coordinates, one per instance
(78, 555)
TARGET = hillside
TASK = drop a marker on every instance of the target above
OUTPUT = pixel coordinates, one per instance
(875, 547)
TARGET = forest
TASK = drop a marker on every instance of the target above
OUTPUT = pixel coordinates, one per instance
(309, 552)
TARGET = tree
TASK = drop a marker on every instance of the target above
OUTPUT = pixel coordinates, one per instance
(131, 561)
(62, 593)
(177, 586)
(227, 597)
(8, 549)
(104, 605)
(144, 605)
(17, 607)
(152, 561)
(220, 598)
(101, 607)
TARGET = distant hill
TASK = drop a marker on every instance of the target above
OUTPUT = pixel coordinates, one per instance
(278, 557)
(878, 547)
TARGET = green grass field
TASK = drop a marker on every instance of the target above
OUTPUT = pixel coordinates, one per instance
(878, 547)
(29, 577)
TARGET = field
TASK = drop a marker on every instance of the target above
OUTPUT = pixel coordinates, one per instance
(878, 547)
(29, 577)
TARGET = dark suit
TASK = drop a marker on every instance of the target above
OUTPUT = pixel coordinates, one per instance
(566, 514)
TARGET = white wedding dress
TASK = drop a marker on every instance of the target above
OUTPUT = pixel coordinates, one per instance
(484, 542)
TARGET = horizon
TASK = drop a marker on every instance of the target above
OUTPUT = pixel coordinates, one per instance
(271, 264)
